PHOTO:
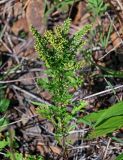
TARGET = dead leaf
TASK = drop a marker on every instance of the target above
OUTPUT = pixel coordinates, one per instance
(24, 119)
(3, 48)
(115, 40)
(34, 14)
(55, 150)
(42, 148)
(121, 30)
(85, 19)
(18, 9)
(21, 24)
(72, 90)
(81, 8)
(109, 47)
(46, 95)
(26, 79)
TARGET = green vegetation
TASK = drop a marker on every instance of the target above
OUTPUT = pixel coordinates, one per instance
(97, 7)
(7, 142)
(120, 157)
(58, 51)
(60, 5)
(63, 72)
(105, 121)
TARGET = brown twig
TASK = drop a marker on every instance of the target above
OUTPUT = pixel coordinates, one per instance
(18, 80)
(107, 91)
(106, 150)
(30, 94)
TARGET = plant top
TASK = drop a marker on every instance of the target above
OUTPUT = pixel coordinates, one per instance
(58, 51)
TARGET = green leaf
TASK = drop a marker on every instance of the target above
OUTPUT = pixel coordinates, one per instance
(4, 104)
(78, 108)
(84, 121)
(3, 144)
(112, 73)
(98, 117)
(111, 86)
(120, 157)
(104, 121)
(18, 156)
(108, 126)
(39, 104)
(3, 123)
(115, 110)
(72, 127)
(97, 7)
(117, 139)
(92, 117)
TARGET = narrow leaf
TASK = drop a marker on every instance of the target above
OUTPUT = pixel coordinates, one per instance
(120, 157)
(106, 127)
(115, 110)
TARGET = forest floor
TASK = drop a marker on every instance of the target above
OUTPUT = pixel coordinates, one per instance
(20, 67)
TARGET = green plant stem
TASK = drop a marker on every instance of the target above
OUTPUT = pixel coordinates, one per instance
(11, 143)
